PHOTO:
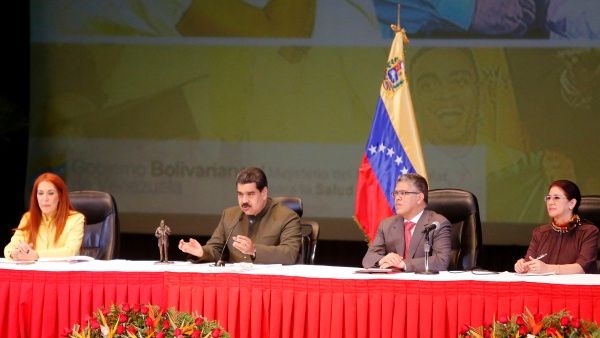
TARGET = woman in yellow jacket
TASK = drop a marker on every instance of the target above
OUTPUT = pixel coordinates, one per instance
(51, 228)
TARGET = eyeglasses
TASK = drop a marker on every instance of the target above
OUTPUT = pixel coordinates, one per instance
(554, 198)
(403, 193)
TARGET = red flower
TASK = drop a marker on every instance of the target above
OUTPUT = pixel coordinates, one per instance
(523, 330)
(560, 324)
(122, 318)
(126, 307)
(564, 321)
(144, 310)
(149, 322)
(157, 324)
(136, 307)
(520, 321)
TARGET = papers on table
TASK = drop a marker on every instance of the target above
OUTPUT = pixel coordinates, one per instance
(241, 267)
(537, 274)
(378, 270)
(68, 259)
(10, 261)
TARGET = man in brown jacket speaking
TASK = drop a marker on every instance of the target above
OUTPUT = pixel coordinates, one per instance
(257, 230)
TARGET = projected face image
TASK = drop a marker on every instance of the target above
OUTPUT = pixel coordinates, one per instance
(446, 96)
(250, 199)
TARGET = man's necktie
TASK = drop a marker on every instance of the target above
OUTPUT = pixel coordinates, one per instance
(408, 226)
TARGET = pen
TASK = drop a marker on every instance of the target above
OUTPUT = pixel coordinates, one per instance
(538, 257)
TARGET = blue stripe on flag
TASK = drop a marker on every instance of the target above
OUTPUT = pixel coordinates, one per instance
(385, 152)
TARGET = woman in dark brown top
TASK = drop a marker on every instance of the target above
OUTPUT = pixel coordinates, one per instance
(568, 244)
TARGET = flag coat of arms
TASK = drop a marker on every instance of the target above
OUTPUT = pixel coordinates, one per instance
(393, 147)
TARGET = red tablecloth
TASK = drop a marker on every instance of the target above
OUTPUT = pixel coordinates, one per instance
(43, 303)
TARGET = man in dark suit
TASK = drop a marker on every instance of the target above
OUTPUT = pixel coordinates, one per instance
(389, 249)
(257, 230)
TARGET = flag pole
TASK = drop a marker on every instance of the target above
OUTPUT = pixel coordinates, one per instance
(393, 147)
(396, 27)
(398, 14)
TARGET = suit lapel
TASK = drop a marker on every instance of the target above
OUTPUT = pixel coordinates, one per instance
(396, 231)
(418, 237)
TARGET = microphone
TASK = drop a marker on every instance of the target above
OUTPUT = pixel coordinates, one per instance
(220, 262)
(427, 247)
(431, 227)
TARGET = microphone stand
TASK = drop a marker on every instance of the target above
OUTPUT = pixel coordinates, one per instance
(427, 247)
(220, 262)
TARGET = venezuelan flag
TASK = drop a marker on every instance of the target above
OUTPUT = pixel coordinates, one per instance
(393, 147)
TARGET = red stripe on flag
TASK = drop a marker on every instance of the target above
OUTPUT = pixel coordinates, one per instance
(371, 205)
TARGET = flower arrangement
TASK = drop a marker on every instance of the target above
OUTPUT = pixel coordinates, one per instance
(145, 321)
(556, 325)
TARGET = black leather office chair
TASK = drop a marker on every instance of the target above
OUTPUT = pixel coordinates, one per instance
(460, 207)
(101, 230)
(589, 209)
(310, 230)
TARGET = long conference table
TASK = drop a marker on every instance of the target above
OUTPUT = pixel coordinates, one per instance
(44, 298)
